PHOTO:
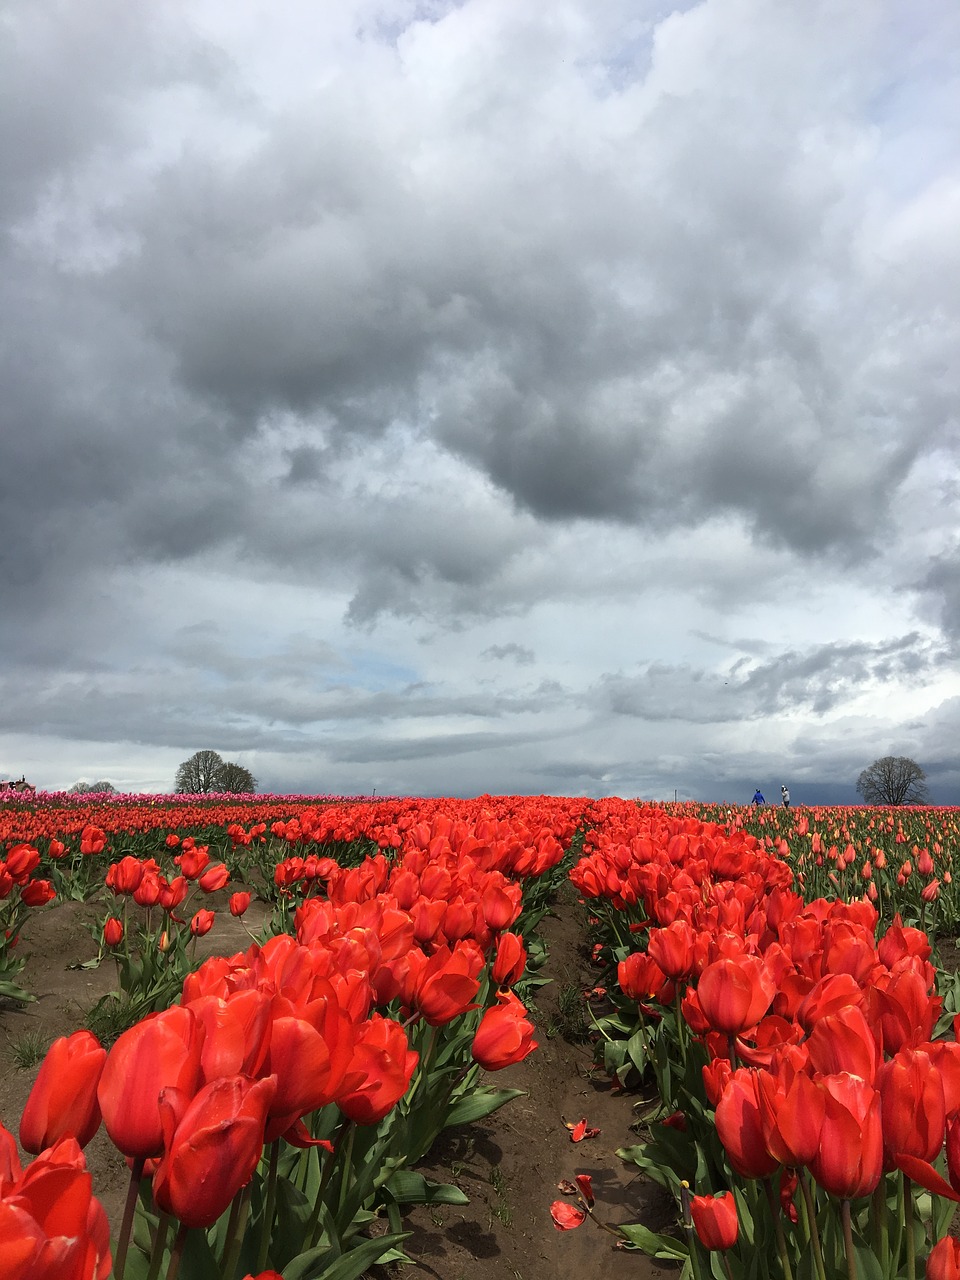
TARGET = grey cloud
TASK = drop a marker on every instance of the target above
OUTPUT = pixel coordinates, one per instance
(607, 306)
(373, 751)
(942, 583)
(817, 680)
(520, 654)
(648, 378)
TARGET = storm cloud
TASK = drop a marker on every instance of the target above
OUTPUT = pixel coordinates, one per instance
(577, 381)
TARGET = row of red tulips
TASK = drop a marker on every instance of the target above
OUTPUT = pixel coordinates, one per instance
(804, 1065)
(283, 1100)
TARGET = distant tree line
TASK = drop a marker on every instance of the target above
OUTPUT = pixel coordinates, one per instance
(208, 771)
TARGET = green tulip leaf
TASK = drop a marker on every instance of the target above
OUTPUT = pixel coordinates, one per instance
(480, 1104)
(10, 991)
(408, 1187)
(325, 1264)
(652, 1244)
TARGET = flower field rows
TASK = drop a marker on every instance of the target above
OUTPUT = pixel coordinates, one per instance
(772, 971)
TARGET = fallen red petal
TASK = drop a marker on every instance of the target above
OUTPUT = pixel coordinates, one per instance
(566, 1216)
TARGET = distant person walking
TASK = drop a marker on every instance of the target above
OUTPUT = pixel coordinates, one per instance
(758, 798)
(785, 794)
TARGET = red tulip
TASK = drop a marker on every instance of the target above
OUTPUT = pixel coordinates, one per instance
(63, 1100)
(163, 1051)
(844, 1042)
(945, 1054)
(236, 1033)
(147, 892)
(641, 978)
(791, 1109)
(22, 860)
(124, 876)
(212, 1145)
(850, 1160)
(215, 877)
(92, 840)
(500, 904)
(310, 1052)
(239, 902)
(716, 1075)
(912, 1107)
(51, 1227)
(740, 1127)
(833, 993)
(202, 922)
(672, 949)
(447, 985)
(944, 1260)
(734, 994)
(384, 1065)
(510, 960)
(37, 893)
(504, 1036)
(113, 932)
(715, 1220)
(905, 1007)
(172, 893)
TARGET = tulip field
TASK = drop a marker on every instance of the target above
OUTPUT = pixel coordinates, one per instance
(772, 997)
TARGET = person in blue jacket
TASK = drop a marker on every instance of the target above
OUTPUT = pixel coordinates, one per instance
(757, 797)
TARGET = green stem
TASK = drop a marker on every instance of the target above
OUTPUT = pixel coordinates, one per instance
(424, 1068)
(159, 1244)
(312, 1233)
(732, 1052)
(811, 1209)
(692, 1244)
(346, 1176)
(908, 1220)
(848, 1240)
(176, 1253)
(881, 1225)
(266, 1227)
(126, 1225)
(236, 1229)
(681, 1031)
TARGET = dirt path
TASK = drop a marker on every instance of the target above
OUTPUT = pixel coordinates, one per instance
(508, 1165)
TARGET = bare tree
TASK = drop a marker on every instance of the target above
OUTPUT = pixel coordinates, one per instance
(89, 788)
(199, 774)
(235, 778)
(893, 780)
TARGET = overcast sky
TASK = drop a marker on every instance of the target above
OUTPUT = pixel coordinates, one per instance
(496, 396)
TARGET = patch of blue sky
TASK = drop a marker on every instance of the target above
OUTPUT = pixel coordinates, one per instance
(377, 673)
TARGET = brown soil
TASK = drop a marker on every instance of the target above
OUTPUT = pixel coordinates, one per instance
(509, 1164)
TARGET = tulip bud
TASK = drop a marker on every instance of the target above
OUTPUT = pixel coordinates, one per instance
(202, 922)
(715, 1220)
(63, 1100)
(239, 902)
